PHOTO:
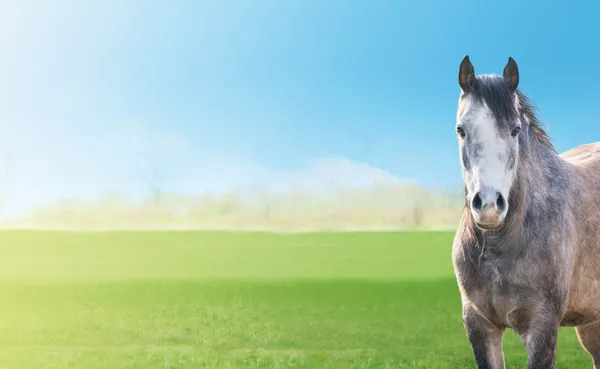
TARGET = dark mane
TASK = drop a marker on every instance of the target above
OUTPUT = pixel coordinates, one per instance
(528, 110)
(492, 90)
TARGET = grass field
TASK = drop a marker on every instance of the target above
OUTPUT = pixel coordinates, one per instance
(236, 300)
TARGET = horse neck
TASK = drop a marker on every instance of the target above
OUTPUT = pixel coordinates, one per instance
(538, 166)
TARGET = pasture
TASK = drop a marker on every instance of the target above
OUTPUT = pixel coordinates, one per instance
(237, 300)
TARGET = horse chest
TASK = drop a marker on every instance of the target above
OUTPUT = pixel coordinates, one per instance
(490, 288)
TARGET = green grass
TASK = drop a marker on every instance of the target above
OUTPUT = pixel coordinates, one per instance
(237, 300)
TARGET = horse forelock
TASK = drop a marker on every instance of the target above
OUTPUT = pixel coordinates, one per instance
(507, 106)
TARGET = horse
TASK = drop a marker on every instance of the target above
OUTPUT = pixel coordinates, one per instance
(526, 253)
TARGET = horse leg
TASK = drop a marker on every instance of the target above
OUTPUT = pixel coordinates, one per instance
(485, 340)
(589, 337)
(540, 341)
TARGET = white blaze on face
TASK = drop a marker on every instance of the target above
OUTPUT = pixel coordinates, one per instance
(488, 152)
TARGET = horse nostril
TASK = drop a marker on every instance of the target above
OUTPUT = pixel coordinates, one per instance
(500, 203)
(477, 203)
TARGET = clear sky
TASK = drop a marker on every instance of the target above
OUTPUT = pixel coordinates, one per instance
(223, 93)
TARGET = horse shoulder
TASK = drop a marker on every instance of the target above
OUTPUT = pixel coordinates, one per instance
(463, 242)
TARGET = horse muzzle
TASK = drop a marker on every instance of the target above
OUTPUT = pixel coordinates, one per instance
(488, 208)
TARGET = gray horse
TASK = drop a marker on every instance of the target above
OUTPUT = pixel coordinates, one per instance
(527, 251)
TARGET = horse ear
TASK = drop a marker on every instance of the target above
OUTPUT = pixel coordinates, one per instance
(511, 74)
(466, 74)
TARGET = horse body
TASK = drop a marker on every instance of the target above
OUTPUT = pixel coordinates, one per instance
(584, 297)
(537, 267)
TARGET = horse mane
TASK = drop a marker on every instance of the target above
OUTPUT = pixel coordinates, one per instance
(492, 90)
(529, 111)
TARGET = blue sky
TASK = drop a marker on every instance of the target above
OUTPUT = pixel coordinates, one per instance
(216, 94)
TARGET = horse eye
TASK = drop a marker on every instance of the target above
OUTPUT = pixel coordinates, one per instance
(515, 131)
(460, 132)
